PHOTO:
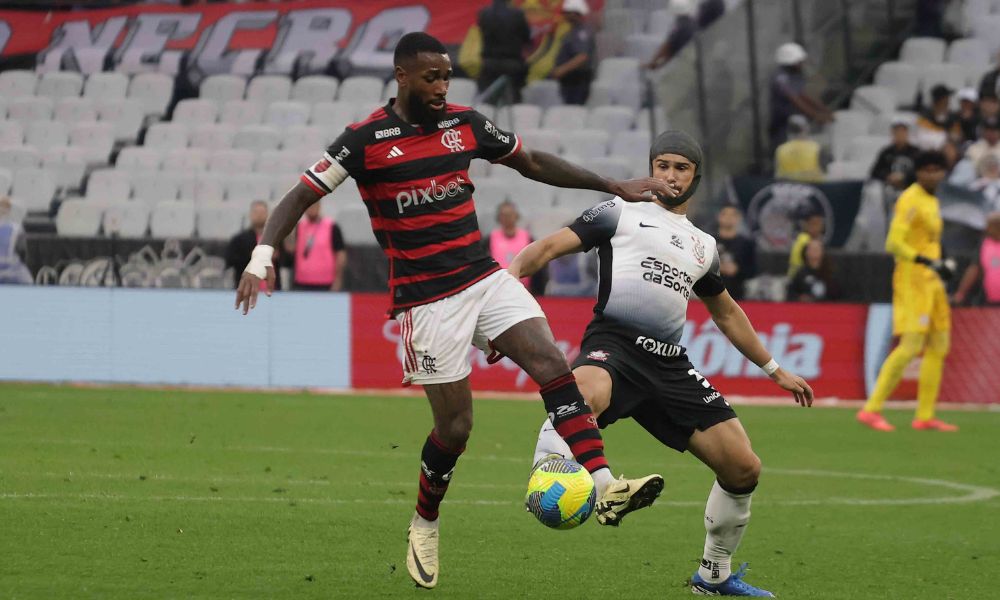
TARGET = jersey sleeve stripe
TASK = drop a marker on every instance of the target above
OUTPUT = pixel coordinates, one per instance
(432, 249)
(514, 150)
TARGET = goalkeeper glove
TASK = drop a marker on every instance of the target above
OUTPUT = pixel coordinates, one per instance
(944, 268)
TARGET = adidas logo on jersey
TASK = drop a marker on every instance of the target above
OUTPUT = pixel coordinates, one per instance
(394, 153)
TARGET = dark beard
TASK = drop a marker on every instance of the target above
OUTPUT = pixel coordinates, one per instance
(421, 114)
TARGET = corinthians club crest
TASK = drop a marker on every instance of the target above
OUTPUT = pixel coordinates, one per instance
(698, 250)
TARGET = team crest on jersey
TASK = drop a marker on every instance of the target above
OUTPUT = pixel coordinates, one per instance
(675, 240)
(452, 140)
(600, 355)
(699, 250)
(321, 166)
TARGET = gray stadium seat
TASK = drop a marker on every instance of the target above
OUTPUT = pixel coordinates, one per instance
(611, 119)
(332, 117)
(361, 89)
(139, 158)
(882, 124)
(644, 118)
(11, 133)
(842, 170)
(528, 193)
(269, 88)
(564, 118)
(540, 139)
(988, 29)
(611, 167)
(18, 82)
(315, 88)
(230, 161)
(902, 78)
(969, 51)
(283, 114)
(278, 162)
(45, 134)
(847, 125)
(953, 76)
(257, 138)
(280, 185)
(67, 164)
(33, 189)
(126, 219)
(578, 201)
(542, 223)
(185, 159)
(213, 137)
(544, 93)
(461, 91)
(105, 84)
(874, 99)
(222, 88)
(219, 220)
(660, 22)
(585, 143)
(151, 188)
(6, 179)
(153, 91)
(195, 111)
(167, 135)
(305, 137)
(920, 51)
(242, 112)
(490, 192)
(209, 188)
(126, 117)
(108, 185)
(75, 110)
(248, 187)
(864, 149)
(520, 117)
(356, 225)
(643, 46)
(97, 136)
(620, 71)
(79, 218)
(59, 84)
(17, 157)
(172, 220)
(24, 109)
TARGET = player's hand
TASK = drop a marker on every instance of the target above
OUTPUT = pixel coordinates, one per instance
(247, 290)
(944, 268)
(794, 384)
(642, 190)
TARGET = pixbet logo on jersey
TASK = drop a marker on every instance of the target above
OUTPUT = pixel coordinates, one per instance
(435, 192)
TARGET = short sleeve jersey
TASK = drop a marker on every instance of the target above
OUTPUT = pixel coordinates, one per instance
(650, 261)
(415, 183)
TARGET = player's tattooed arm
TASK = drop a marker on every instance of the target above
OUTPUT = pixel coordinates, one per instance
(550, 169)
(536, 255)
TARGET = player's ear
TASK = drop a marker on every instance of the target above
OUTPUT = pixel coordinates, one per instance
(401, 75)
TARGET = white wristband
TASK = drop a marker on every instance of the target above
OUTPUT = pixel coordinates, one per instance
(260, 260)
(770, 367)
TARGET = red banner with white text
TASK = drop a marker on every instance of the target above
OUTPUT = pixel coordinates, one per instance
(823, 343)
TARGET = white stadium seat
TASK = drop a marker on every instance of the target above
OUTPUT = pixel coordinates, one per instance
(848, 124)
(305, 137)
(45, 134)
(902, 78)
(17, 157)
(6, 179)
(213, 137)
(24, 109)
(611, 119)
(287, 114)
(864, 149)
(79, 218)
(461, 91)
(195, 111)
(643, 46)
(126, 219)
(105, 84)
(242, 112)
(988, 30)
(519, 117)
(544, 93)
(185, 159)
(970, 52)
(108, 185)
(257, 138)
(223, 88)
(209, 187)
(611, 167)
(98, 137)
(60, 84)
(172, 220)
(953, 76)
(564, 118)
(578, 201)
(882, 124)
(167, 135)
(126, 117)
(544, 222)
(874, 99)
(151, 188)
(363, 88)
(585, 143)
(355, 224)
(332, 117)
(154, 92)
(75, 110)
(660, 21)
(248, 187)
(541, 139)
(618, 71)
(278, 162)
(139, 158)
(219, 220)
(920, 51)
(67, 164)
(11, 133)
(841, 170)
(315, 88)
(231, 161)
(18, 82)
(269, 88)
(490, 192)
(33, 189)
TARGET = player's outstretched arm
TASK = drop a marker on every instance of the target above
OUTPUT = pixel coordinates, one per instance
(279, 224)
(735, 325)
(537, 254)
(550, 169)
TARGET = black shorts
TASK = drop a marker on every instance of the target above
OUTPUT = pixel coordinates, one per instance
(666, 396)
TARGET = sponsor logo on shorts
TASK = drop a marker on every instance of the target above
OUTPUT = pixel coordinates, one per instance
(600, 355)
(657, 347)
(713, 396)
(390, 132)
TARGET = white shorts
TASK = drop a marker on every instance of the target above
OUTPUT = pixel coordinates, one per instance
(436, 336)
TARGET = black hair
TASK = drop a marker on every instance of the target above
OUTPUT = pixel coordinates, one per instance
(413, 43)
(928, 158)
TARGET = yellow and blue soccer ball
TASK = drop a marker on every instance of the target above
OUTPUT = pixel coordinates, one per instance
(561, 494)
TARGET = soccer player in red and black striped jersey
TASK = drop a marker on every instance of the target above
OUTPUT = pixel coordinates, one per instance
(410, 160)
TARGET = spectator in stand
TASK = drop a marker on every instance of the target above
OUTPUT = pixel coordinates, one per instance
(12, 247)
(737, 252)
(986, 269)
(894, 165)
(320, 256)
(683, 31)
(968, 115)
(812, 225)
(813, 282)
(988, 183)
(242, 244)
(574, 67)
(989, 85)
(989, 107)
(709, 11)
(788, 93)
(937, 124)
(988, 144)
(508, 239)
(798, 158)
(506, 37)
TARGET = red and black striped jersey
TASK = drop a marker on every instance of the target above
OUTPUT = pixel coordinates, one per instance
(415, 182)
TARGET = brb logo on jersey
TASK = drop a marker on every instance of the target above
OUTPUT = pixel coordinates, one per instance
(452, 140)
(660, 273)
(390, 132)
(435, 192)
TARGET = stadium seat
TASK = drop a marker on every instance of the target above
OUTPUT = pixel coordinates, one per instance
(602, 93)
(75, 110)
(17, 157)
(645, 117)
(104, 85)
(874, 99)
(540, 139)
(209, 188)
(3, 108)
(544, 222)
(543, 93)
(461, 91)
(16, 83)
(172, 220)
(242, 112)
(305, 137)
(864, 149)
(490, 192)
(611, 119)
(365, 110)
(882, 123)
(126, 117)
(621, 71)
(279, 162)
(195, 111)
(355, 224)
(139, 158)
(11, 133)
(505, 173)
(988, 29)
(612, 167)
(842, 170)
(902, 78)
(192, 160)
(643, 46)
(152, 187)
(479, 168)
(624, 21)
(222, 88)
(847, 125)
(632, 146)
(280, 185)
(361, 89)
(529, 194)
(45, 134)
(577, 201)
(219, 220)
(167, 135)
(60, 84)
(283, 114)
(213, 137)
(564, 118)
(920, 51)
(126, 219)
(953, 76)
(67, 164)
(315, 88)
(522, 116)
(660, 21)
(585, 143)
(972, 12)
(231, 161)
(6, 179)
(97, 137)
(79, 218)
(269, 88)
(969, 52)
(332, 117)
(24, 109)
(246, 188)
(154, 92)
(34, 189)
(108, 185)
(256, 138)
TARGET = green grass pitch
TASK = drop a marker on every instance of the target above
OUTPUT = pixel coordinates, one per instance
(134, 493)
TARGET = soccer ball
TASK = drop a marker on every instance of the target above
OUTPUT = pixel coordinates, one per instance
(561, 494)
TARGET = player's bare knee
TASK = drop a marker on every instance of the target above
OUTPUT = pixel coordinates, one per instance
(741, 474)
(455, 431)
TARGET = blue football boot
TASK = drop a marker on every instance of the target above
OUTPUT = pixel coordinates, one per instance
(734, 586)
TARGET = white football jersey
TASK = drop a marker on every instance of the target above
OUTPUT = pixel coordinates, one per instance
(650, 261)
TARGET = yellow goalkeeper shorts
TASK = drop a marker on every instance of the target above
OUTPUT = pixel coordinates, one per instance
(919, 302)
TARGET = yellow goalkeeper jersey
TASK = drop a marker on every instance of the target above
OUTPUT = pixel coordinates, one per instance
(915, 228)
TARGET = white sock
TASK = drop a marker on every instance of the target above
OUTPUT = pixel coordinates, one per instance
(419, 521)
(726, 517)
(550, 442)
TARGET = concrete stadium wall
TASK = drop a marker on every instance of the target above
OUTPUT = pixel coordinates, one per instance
(173, 337)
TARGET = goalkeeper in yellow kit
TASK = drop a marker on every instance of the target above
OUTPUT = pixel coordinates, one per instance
(920, 314)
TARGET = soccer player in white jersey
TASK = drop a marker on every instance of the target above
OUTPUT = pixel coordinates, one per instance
(631, 363)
